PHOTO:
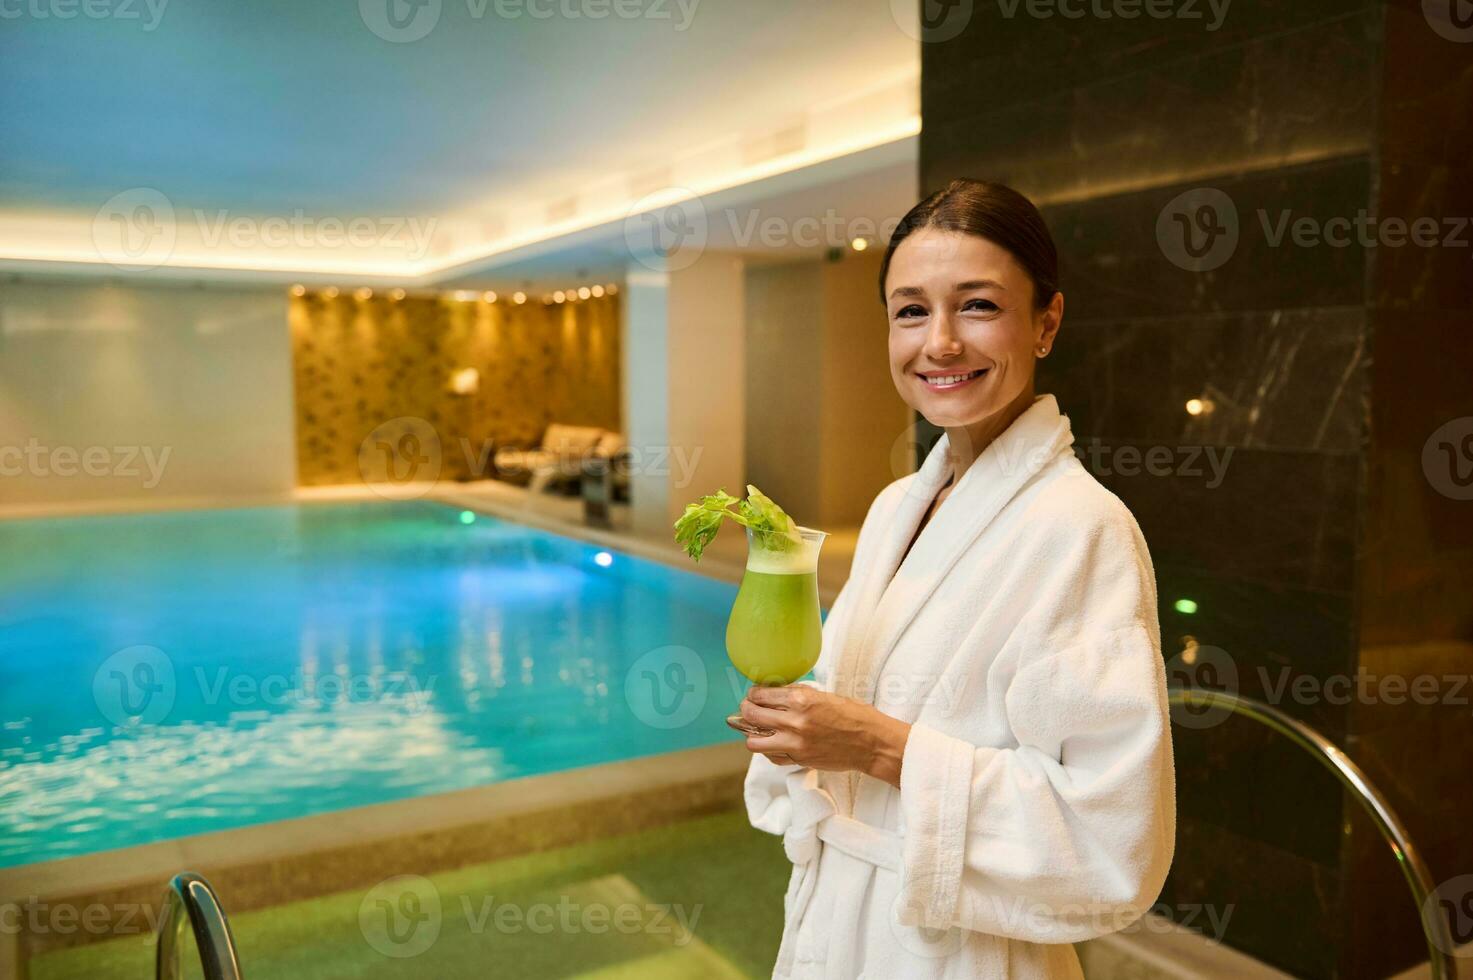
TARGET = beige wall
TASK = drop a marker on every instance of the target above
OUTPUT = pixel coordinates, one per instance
(143, 395)
(823, 418)
(863, 417)
(784, 364)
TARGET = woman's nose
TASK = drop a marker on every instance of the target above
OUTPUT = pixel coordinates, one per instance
(941, 339)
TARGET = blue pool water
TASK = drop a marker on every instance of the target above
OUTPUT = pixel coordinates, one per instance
(170, 674)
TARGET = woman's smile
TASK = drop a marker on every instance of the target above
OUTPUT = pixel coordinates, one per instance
(951, 379)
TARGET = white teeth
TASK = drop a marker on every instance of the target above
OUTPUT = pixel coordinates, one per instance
(951, 379)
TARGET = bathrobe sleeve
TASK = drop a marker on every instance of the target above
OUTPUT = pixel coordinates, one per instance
(1068, 835)
(769, 807)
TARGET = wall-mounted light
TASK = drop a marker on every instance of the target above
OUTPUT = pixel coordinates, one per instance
(363, 294)
(465, 381)
(489, 296)
(611, 289)
(299, 290)
(559, 296)
(1199, 406)
(331, 292)
(597, 291)
(859, 244)
(519, 298)
(584, 292)
(397, 295)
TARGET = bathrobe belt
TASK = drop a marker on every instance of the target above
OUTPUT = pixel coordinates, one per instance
(814, 819)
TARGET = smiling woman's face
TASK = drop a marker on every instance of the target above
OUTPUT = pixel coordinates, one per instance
(964, 332)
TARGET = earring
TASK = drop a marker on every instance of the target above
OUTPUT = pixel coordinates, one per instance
(1042, 351)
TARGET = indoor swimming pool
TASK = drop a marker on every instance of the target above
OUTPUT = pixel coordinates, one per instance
(171, 674)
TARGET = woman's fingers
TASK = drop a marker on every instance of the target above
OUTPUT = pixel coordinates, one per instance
(763, 717)
(781, 744)
(773, 697)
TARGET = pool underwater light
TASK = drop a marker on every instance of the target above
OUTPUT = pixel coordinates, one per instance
(603, 559)
(467, 517)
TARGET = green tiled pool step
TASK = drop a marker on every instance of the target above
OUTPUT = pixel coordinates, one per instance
(700, 898)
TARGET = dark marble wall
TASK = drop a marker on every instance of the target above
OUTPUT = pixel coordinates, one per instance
(1281, 511)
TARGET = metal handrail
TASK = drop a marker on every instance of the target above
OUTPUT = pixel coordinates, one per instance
(191, 899)
(1439, 942)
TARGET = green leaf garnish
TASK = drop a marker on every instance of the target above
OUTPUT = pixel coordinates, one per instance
(697, 527)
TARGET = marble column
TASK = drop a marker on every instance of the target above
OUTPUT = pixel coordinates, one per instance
(1257, 376)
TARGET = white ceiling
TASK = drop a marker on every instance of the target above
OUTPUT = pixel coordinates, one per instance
(274, 107)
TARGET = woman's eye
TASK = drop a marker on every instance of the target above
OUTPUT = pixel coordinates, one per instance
(912, 310)
(980, 305)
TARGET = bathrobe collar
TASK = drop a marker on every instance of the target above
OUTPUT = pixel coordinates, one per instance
(894, 592)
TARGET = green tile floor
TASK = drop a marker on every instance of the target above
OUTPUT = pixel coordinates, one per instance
(698, 899)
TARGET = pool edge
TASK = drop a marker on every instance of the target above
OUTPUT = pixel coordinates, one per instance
(267, 864)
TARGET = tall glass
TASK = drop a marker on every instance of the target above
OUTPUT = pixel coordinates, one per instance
(774, 633)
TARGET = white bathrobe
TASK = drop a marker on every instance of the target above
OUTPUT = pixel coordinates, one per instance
(1036, 805)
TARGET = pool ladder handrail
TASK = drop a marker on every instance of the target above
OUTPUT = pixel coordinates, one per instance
(191, 899)
(1434, 926)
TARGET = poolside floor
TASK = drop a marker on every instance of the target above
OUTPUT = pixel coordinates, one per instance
(699, 898)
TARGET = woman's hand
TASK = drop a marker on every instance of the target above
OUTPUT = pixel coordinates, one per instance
(820, 730)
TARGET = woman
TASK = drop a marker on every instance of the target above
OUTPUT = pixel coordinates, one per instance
(982, 772)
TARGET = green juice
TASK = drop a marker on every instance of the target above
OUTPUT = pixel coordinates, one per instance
(774, 633)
